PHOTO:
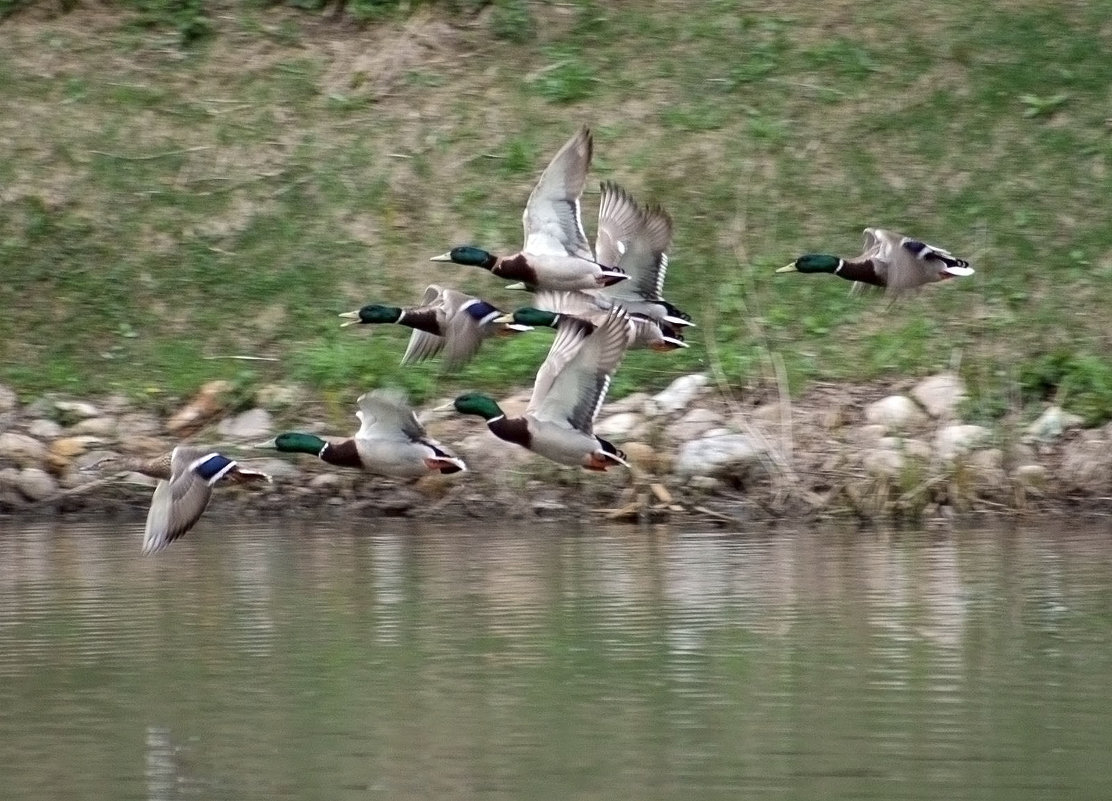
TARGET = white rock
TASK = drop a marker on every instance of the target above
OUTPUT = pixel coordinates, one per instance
(8, 399)
(273, 467)
(1031, 475)
(252, 424)
(139, 424)
(896, 413)
(279, 396)
(21, 449)
(97, 427)
(940, 394)
(867, 435)
(714, 455)
(630, 403)
(325, 481)
(44, 429)
(35, 484)
(950, 441)
(77, 409)
(695, 423)
(678, 394)
(1052, 423)
(617, 425)
(883, 462)
(908, 446)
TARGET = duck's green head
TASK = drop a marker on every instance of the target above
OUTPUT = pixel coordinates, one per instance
(371, 314)
(536, 318)
(475, 403)
(813, 263)
(294, 442)
(469, 255)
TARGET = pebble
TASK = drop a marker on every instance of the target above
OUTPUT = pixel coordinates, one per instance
(279, 396)
(717, 455)
(693, 424)
(76, 410)
(895, 413)
(106, 427)
(44, 429)
(954, 440)
(35, 484)
(252, 424)
(1031, 475)
(883, 462)
(618, 425)
(678, 395)
(21, 449)
(1052, 423)
(940, 395)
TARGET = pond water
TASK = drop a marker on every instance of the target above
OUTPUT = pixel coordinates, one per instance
(359, 660)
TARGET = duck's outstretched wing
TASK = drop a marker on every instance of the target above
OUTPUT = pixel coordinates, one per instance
(572, 383)
(635, 238)
(553, 219)
(385, 414)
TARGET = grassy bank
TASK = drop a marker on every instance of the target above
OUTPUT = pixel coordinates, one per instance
(167, 205)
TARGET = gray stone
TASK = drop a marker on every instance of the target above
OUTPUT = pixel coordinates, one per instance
(940, 395)
(325, 481)
(716, 455)
(896, 413)
(76, 410)
(21, 450)
(677, 396)
(883, 462)
(44, 429)
(618, 425)
(139, 424)
(630, 403)
(867, 435)
(279, 396)
(106, 427)
(954, 440)
(908, 446)
(988, 466)
(276, 468)
(252, 424)
(695, 423)
(8, 399)
(35, 484)
(1052, 423)
(1031, 475)
(1087, 464)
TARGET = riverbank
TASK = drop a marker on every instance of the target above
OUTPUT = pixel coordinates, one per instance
(880, 452)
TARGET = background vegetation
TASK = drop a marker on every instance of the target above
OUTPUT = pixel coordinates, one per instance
(186, 181)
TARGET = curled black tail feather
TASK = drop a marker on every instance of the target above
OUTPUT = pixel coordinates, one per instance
(924, 251)
(673, 311)
(610, 448)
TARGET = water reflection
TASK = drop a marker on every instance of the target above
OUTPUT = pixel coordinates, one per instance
(366, 660)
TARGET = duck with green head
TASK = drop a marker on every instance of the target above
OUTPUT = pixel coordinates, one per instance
(390, 442)
(186, 477)
(568, 392)
(890, 260)
(556, 254)
(552, 307)
(449, 323)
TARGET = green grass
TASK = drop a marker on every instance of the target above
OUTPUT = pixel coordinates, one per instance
(180, 190)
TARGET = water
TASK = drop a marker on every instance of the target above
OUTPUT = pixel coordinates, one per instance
(366, 661)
